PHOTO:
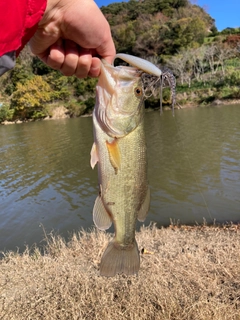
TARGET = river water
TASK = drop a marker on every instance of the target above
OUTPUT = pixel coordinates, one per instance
(47, 183)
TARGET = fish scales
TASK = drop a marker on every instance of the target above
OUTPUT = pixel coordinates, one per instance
(123, 193)
(119, 150)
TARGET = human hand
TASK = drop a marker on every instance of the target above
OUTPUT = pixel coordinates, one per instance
(71, 36)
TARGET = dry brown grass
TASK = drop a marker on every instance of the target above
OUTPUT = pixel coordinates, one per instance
(193, 273)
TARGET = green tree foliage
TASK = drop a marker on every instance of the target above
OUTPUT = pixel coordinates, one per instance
(156, 27)
(31, 96)
(5, 112)
(39, 68)
(60, 87)
(184, 33)
(131, 10)
(229, 31)
(125, 36)
(233, 78)
(84, 87)
(20, 74)
(84, 91)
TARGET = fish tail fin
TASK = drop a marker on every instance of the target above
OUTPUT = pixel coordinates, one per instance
(118, 259)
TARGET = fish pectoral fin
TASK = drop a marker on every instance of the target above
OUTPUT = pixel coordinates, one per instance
(114, 154)
(144, 208)
(94, 155)
(101, 217)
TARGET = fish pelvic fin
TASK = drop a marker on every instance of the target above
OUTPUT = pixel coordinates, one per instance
(117, 259)
(94, 155)
(101, 217)
(114, 154)
(144, 207)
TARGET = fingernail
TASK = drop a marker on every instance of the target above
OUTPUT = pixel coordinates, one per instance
(94, 72)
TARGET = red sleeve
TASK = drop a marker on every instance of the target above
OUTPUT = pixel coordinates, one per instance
(18, 22)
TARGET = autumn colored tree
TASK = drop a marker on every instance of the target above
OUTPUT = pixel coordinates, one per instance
(31, 96)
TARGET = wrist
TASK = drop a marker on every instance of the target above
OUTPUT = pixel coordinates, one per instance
(50, 11)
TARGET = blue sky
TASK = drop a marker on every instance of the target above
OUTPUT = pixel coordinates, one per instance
(225, 13)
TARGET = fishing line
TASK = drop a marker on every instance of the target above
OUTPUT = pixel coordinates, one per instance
(191, 168)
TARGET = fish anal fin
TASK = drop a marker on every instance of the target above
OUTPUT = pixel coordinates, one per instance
(94, 155)
(117, 259)
(101, 217)
(144, 208)
(114, 154)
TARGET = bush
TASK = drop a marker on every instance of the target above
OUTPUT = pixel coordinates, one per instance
(225, 92)
(85, 86)
(5, 113)
(76, 109)
(207, 100)
(89, 103)
(233, 79)
(39, 114)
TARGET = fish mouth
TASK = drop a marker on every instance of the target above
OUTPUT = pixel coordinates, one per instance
(119, 108)
(153, 78)
(111, 75)
(138, 66)
(113, 110)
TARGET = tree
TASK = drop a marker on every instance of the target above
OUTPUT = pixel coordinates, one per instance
(59, 84)
(149, 28)
(31, 97)
(210, 54)
(5, 112)
(178, 65)
(40, 68)
(125, 36)
(223, 53)
(198, 60)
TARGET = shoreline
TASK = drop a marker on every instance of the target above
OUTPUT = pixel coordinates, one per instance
(63, 112)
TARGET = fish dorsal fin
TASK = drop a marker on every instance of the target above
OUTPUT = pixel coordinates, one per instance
(94, 155)
(101, 217)
(114, 154)
(144, 208)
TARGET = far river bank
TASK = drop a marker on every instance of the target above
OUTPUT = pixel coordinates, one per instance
(61, 112)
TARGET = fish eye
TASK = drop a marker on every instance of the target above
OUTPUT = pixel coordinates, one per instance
(138, 91)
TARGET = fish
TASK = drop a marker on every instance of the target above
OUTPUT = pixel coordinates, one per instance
(119, 151)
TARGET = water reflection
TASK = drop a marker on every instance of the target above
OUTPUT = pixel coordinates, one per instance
(191, 184)
(45, 179)
(194, 172)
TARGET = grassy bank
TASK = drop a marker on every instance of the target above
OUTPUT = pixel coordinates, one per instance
(190, 273)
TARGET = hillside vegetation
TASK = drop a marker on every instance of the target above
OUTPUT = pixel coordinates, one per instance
(171, 33)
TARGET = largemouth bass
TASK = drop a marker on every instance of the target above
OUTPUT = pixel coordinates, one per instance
(119, 149)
